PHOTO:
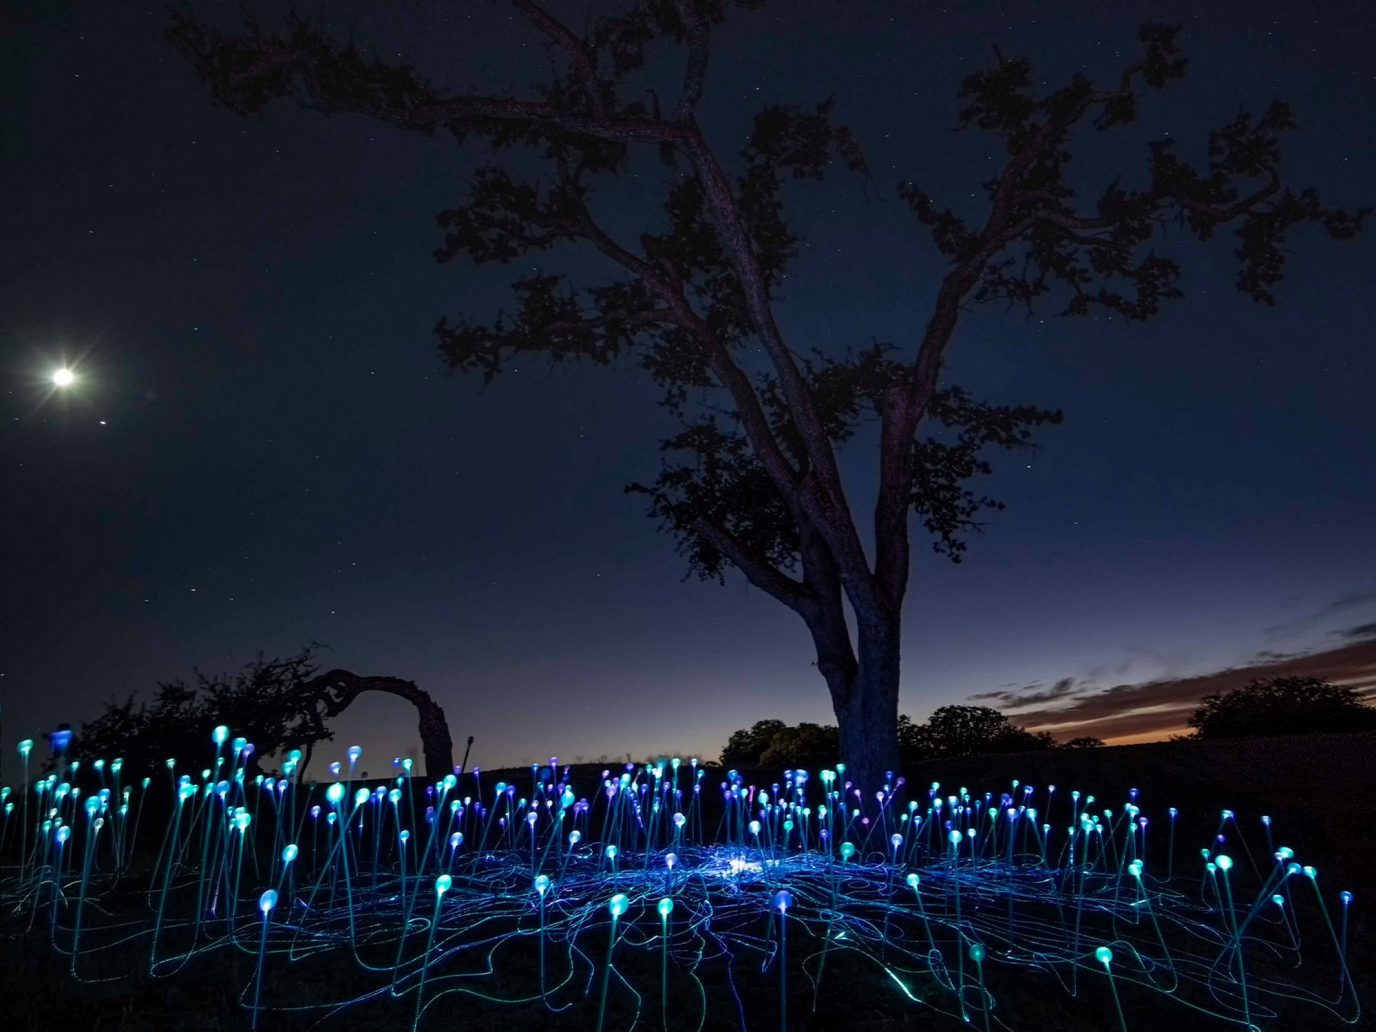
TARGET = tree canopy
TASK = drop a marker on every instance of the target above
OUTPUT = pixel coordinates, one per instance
(752, 477)
(265, 703)
(1282, 706)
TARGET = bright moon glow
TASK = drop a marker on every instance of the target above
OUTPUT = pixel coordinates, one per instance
(64, 377)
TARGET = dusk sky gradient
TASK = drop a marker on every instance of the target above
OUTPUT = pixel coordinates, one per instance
(263, 448)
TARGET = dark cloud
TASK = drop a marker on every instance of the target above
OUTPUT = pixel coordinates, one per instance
(1160, 708)
(1344, 603)
(1366, 630)
(1028, 695)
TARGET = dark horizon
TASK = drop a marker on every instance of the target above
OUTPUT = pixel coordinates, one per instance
(263, 449)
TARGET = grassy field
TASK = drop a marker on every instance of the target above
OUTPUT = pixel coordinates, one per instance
(1317, 790)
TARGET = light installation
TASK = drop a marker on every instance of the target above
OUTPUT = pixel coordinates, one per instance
(745, 905)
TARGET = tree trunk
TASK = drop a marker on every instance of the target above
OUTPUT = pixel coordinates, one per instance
(867, 712)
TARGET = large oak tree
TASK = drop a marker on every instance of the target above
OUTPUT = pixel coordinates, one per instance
(752, 479)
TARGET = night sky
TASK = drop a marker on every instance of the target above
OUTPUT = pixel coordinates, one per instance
(263, 448)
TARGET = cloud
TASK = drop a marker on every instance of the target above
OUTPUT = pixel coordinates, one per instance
(1159, 708)
(1366, 630)
(1344, 603)
(1027, 695)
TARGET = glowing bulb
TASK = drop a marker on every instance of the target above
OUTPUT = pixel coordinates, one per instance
(977, 953)
(267, 901)
(1103, 955)
(220, 735)
(617, 905)
(542, 884)
(913, 880)
(666, 907)
(335, 793)
(1225, 862)
(783, 899)
(442, 884)
(670, 859)
(26, 747)
(64, 377)
(354, 752)
(847, 850)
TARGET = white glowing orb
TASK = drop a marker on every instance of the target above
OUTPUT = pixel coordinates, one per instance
(64, 377)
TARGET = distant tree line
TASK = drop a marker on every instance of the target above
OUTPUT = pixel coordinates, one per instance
(1277, 706)
(950, 731)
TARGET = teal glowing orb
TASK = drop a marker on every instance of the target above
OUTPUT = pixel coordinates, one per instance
(542, 884)
(617, 905)
(1104, 955)
(442, 884)
(665, 907)
(267, 901)
(220, 735)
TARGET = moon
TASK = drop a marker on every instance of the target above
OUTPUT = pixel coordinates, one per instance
(64, 377)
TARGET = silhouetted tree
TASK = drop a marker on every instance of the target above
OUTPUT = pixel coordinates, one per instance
(264, 703)
(753, 478)
(970, 730)
(807, 746)
(1282, 706)
(745, 747)
(1083, 742)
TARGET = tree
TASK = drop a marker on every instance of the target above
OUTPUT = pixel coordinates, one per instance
(1282, 706)
(264, 703)
(745, 747)
(806, 746)
(753, 478)
(971, 730)
(275, 705)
